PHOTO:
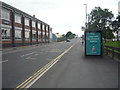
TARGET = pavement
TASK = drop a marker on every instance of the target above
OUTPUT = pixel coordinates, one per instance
(9, 49)
(71, 68)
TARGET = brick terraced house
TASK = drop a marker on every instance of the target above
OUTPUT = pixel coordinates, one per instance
(19, 28)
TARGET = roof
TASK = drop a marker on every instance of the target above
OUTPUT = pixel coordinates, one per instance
(54, 36)
(11, 8)
(58, 36)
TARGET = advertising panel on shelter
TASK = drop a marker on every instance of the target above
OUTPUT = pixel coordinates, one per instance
(93, 42)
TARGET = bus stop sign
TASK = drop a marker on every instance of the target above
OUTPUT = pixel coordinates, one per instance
(93, 43)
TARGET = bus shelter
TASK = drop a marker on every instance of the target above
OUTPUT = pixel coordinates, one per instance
(93, 43)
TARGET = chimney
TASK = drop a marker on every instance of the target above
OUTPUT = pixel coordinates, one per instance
(34, 16)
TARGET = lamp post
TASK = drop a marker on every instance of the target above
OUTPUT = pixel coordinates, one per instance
(86, 15)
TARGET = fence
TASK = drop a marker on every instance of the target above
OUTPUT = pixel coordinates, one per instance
(112, 51)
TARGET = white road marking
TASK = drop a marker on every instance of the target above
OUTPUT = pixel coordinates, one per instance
(27, 54)
(30, 58)
(4, 61)
(36, 54)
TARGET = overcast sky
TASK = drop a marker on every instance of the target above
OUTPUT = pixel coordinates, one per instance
(62, 15)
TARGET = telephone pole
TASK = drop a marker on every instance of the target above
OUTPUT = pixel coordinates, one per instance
(86, 16)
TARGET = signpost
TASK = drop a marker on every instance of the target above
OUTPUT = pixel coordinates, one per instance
(93, 43)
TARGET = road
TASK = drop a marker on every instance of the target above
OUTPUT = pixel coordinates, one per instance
(71, 69)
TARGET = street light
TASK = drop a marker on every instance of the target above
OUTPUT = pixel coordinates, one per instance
(86, 14)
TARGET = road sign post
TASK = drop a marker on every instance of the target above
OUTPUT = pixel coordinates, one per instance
(93, 43)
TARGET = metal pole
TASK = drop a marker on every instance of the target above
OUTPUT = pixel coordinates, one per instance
(86, 14)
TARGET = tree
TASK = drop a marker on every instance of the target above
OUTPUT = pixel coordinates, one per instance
(115, 26)
(100, 19)
(63, 35)
(70, 35)
(108, 33)
(118, 18)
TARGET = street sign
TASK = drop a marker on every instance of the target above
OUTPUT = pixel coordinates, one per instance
(93, 43)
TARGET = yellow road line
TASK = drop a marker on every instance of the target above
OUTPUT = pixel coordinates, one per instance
(35, 75)
(39, 71)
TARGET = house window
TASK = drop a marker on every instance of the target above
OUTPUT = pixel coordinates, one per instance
(33, 24)
(18, 35)
(17, 18)
(47, 35)
(5, 34)
(27, 35)
(39, 26)
(43, 27)
(43, 36)
(39, 35)
(34, 35)
(27, 21)
(5, 14)
(46, 28)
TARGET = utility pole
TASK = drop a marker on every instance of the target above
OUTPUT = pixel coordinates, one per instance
(86, 15)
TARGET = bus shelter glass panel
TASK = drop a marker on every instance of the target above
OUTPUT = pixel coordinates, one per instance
(93, 43)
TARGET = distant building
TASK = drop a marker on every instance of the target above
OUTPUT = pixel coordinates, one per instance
(54, 37)
(119, 13)
(83, 28)
(58, 35)
(83, 37)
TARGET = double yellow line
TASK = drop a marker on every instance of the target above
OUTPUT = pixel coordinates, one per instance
(39, 72)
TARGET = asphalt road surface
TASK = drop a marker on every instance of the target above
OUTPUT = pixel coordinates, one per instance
(71, 70)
